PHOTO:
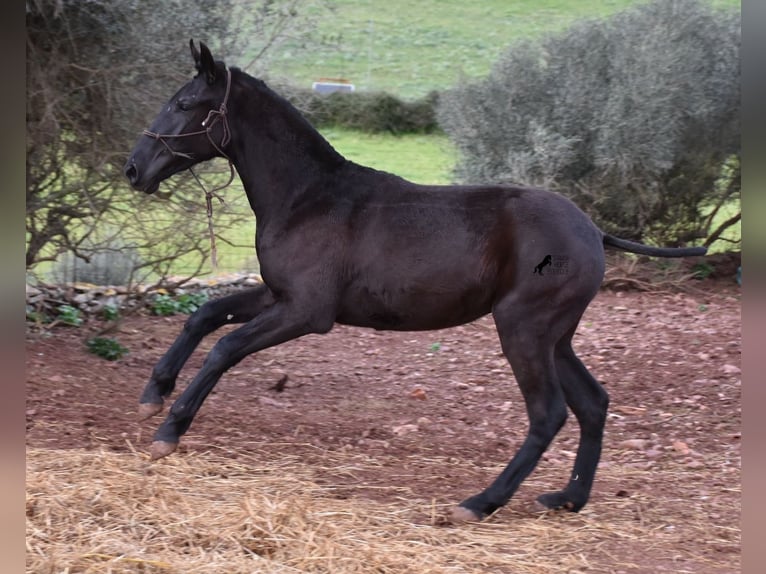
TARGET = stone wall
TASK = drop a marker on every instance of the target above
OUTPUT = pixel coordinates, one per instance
(92, 299)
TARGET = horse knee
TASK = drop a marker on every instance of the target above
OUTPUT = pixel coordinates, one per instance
(203, 319)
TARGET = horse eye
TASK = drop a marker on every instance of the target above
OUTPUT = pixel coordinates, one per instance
(184, 105)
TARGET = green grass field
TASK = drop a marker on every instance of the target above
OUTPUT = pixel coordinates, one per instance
(409, 48)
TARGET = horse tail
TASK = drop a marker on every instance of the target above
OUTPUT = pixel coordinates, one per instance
(641, 249)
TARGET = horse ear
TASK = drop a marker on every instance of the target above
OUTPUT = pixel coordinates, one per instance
(195, 53)
(206, 63)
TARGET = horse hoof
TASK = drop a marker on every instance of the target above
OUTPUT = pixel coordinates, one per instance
(554, 501)
(461, 514)
(538, 507)
(161, 449)
(148, 410)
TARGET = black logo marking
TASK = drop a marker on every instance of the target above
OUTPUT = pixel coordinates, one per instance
(539, 267)
(559, 265)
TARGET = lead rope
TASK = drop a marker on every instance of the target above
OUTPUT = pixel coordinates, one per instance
(213, 116)
(209, 195)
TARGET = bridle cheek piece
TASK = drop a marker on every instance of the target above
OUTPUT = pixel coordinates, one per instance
(210, 120)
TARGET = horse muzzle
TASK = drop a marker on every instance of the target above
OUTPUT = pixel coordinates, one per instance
(134, 178)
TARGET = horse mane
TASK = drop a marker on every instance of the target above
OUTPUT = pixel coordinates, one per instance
(297, 121)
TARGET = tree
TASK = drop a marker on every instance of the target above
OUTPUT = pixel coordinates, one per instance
(635, 117)
(96, 72)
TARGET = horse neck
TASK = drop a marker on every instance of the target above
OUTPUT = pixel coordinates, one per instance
(276, 152)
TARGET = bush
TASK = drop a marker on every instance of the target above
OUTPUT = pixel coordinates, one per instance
(366, 111)
(186, 303)
(106, 348)
(635, 117)
(69, 315)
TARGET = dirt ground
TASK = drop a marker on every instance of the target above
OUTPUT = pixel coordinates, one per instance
(670, 361)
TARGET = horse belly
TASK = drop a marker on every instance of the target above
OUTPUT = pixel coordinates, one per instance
(414, 305)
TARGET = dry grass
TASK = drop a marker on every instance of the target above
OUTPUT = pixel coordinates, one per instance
(106, 512)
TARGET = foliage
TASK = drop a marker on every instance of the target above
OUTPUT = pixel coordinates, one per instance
(35, 316)
(164, 305)
(110, 312)
(96, 73)
(373, 112)
(69, 315)
(702, 270)
(186, 303)
(106, 348)
(636, 117)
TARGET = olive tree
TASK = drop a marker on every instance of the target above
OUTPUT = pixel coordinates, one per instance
(635, 117)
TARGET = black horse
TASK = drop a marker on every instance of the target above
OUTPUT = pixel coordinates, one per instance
(342, 243)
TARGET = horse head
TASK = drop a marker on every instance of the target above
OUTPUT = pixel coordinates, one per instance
(191, 128)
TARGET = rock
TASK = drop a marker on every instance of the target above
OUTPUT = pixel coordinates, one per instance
(272, 403)
(634, 444)
(681, 447)
(402, 430)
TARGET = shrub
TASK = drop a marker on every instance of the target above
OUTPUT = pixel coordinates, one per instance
(366, 111)
(635, 117)
(106, 348)
(110, 312)
(186, 303)
(164, 305)
(69, 315)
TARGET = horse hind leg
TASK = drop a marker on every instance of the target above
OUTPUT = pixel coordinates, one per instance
(589, 402)
(530, 351)
(236, 308)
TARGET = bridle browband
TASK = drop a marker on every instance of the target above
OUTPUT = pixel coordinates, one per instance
(213, 116)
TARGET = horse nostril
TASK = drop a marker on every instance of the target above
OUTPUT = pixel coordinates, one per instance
(131, 172)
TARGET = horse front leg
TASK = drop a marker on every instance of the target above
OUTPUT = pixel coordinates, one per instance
(277, 324)
(236, 308)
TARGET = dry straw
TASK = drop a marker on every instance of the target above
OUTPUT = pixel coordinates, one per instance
(106, 512)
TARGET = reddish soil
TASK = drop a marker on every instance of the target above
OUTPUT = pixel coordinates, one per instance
(670, 362)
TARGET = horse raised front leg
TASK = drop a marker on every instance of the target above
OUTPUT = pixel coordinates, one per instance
(237, 308)
(277, 324)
